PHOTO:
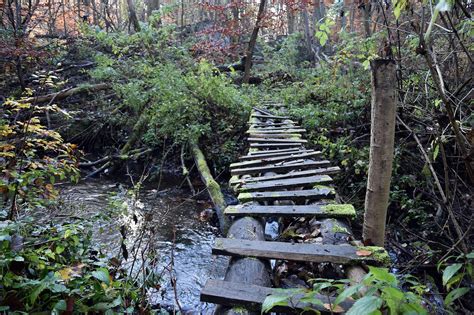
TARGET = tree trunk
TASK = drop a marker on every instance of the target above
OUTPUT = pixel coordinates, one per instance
(291, 19)
(246, 269)
(66, 93)
(152, 5)
(132, 16)
(307, 33)
(253, 42)
(212, 186)
(367, 17)
(384, 105)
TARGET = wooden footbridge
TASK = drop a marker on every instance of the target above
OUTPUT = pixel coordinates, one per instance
(281, 178)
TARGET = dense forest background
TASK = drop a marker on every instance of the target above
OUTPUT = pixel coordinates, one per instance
(123, 89)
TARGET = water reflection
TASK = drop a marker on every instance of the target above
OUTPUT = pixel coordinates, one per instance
(165, 215)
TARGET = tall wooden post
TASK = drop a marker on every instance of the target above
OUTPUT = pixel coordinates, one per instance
(382, 136)
(253, 41)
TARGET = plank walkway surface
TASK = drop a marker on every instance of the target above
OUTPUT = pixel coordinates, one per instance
(280, 177)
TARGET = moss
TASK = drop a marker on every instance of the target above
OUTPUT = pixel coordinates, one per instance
(336, 228)
(212, 186)
(245, 197)
(339, 211)
(218, 244)
(231, 210)
(379, 254)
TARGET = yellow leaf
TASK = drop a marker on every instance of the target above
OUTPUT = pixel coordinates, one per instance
(65, 273)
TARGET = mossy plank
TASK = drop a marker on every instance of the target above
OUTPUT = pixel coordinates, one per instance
(318, 211)
(280, 184)
(307, 252)
(294, 195)
(266, 160)
(319, 171)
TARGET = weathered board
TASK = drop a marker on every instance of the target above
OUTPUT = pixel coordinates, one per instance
(280, 167)
(265, 155)
(252, 296)
(307, 252)
(275, 130)
(318, 171)
(277, 135)
(323, 192)
(273, 140)
(280, 184)
(265, 160)
(275, 145)
(318, 211)
(262, 111)
(260, 116)
(270, 124)
(254, 153)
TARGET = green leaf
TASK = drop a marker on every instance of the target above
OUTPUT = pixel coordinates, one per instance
(392, 297)
(365, 305)
(274, 300)
(60, 305)
(454, 295)
(102, 274)
(450, 271)
(470, 255)
(36, 292)
(350, 291)
(435, 152)
(59, 249)
(323, 39)
(382, 274)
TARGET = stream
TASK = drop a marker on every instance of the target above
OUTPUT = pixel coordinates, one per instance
(155, 219)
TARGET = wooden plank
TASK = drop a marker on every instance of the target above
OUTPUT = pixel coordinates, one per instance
(262, 111)
(280, 167)
(260, 116)
(273, 140)
(319, 171)
(271, 160)
(271, 151)
(307, 252)
(277, 135)
(271, 124)
(323, 192)
(275, 145)
(265, 155)
(252, 296)
(318, 211)
(275, 130)
(306, 182)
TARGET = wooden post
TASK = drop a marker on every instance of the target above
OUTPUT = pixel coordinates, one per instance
(253, 42)
(383, 113)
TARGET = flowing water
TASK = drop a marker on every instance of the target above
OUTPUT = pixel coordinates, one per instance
(168, 222)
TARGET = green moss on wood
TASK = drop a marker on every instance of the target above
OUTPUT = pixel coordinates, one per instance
(379, 254)
(339, 211)
(245, 197)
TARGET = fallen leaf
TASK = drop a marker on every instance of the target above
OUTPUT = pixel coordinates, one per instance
(335, 308)
(363, 253)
